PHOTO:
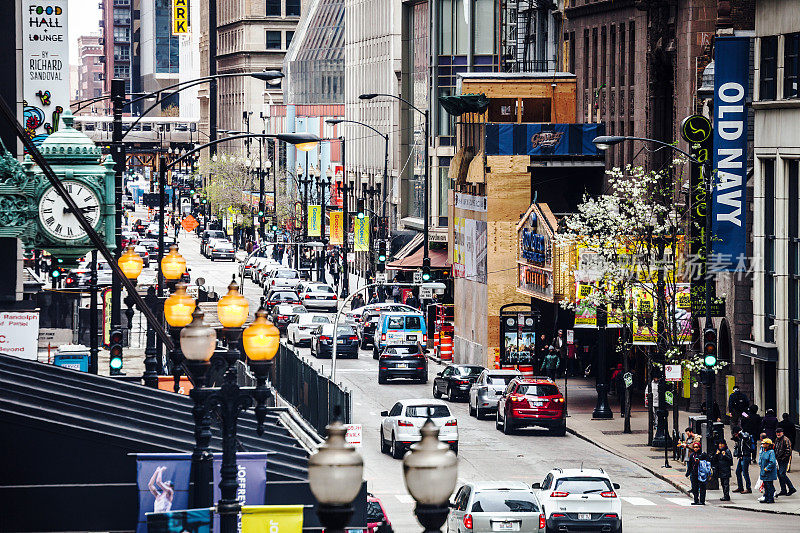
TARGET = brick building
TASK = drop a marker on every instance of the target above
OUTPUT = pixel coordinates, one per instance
(90, 68)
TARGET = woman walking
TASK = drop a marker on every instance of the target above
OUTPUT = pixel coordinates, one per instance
(769, 470)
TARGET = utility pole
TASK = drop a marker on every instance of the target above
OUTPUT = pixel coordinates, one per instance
(345, 191)
(118, 154)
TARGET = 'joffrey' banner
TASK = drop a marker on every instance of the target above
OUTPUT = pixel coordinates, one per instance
(731, 76)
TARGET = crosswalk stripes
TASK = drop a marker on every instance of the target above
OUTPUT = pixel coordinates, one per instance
(404, 498)
(636, 501)
(685, 502)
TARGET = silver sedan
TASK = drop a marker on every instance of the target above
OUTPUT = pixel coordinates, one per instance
(487, 389)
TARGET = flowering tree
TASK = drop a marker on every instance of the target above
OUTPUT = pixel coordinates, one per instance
(228, 177)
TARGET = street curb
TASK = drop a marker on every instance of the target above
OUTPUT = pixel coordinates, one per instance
(759, 510)
(634, 461)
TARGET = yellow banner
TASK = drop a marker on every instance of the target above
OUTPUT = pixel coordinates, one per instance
(272, 518)
(361, 234)
(315, 221)
(180, 17)
(337, 228)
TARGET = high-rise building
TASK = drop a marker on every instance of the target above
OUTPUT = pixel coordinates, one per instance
(155, 61)
(90, 67)
(116, 22)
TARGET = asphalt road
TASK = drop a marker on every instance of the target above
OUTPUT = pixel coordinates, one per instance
(649, 504)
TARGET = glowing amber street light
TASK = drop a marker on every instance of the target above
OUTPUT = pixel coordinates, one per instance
(232, 309)
(130, 263)
(261, 338)
(173, 265)
(178, 308)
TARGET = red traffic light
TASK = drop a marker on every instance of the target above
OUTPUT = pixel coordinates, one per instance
(116, 337)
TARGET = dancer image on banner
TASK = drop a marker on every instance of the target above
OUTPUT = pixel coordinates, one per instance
(163, 501)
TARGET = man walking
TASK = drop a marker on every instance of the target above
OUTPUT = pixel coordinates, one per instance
(551, 363)
(743, 451)
(783, 454)
(737, 404)
(722, 463)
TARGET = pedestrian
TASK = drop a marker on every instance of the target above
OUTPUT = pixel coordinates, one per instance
(396, 294)
(689, 438)
(618, 382)
(769, 423)
(751, 423)
(743, 451)
(551, 363)
(788, 427)
(783, 454)
(357, 301)
(374, 299)
(769, 470)
(698, 470)
(722, 463)
(737, 404)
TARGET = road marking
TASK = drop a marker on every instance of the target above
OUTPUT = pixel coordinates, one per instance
(637, 501)
(343, 370)
(404, 498)
(685, 502)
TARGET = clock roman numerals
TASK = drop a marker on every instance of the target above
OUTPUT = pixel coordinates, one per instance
(59, 220)
(50, 220)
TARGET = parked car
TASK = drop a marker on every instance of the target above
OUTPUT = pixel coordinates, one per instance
(151, 245)
(143, 253)
(319, 296)
(400, 426)
(222, 250)
(455, 381)
(256, 271)
(281, 278)
(301, 326)
(282, 314)
(377, 520)
(322, 341)
(580, 500)
(129, 237)
(487, 389)
(398, 328)
(246, 269)
(403, 361)
(279, 296)
(489, 506)
(531, 402)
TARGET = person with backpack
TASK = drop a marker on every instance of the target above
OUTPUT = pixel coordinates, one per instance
(751, 423)
(769, 470)
(722, 463)
(743, 451)
(698, 470)
(737, 404)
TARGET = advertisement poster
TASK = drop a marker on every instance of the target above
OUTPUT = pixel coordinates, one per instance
(45, 66)
(518, 332)
(314, 220)
(731, 81)
(189, 521)
(683, 310)
(585, 311)
(272, 518)
(251, 477)
(361, 234)
(510, 342)
(644, 319)
(469, 249)
(19, 334)
(336, 228)
(163, 481)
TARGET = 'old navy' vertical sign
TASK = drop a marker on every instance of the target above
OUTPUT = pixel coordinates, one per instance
(731, 75)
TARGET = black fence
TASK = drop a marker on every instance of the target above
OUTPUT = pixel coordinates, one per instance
(315, 397)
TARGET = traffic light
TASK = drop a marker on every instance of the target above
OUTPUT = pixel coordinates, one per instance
(426, 273)
(710, 347)
(274, 227)
(360, 208)
(55, 272)
(261, 212)
(381, 251)
(115, 352)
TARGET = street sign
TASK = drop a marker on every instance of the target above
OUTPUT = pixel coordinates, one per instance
(628, 379)
(380, 277)
(417, 277)
(189, 223)
(672, 372)
(19, 333)
(354, 435)
(570, 336)
(668, 397)
(425, 293)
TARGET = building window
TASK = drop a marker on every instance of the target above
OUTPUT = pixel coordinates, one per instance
(794, 286)
(768, 166)
(768, 87)
(273, 40)
(622, 55)
(791, 65)
(121, 52)
(122, 34)
(586, 59)
(603, 42)
(632, 53)
(292, 8)
(571, 52)
(122, 71)
(485, 42)
(289, 37)
(273, 8)
(612, 63)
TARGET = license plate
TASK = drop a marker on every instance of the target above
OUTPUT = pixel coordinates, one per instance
(502, 526)
(411, 337)
(537, 403)
(402, 365)
(584, 516)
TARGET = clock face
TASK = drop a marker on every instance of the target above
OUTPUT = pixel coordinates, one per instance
(58, 220)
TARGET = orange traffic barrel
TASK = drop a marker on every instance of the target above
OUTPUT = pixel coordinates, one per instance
(446, 347)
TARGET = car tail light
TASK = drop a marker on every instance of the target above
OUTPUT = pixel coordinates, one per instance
(404, 424)
(542, 521)
(609, 494)
(557, 515)
(383, 336)
(352, 338)
(334, 297)
(424, 337)
(324, 338)
(557, 494)
(610, 515)
(281, 317)
(468, 521)
(273, 282)
(307, 296)
(452, 422)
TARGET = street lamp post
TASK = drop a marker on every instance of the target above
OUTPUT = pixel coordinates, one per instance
(94, 349)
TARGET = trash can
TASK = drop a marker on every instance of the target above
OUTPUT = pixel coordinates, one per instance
(74, 356)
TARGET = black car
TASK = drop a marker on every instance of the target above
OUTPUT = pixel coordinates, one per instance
(455, 381)
(283, 313)
(280, 296)
(322, 341)
(403, 361)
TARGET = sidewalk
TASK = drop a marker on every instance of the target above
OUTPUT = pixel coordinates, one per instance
(608, 435)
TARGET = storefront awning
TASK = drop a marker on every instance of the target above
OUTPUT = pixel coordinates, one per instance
(763, 351)
(414, 261)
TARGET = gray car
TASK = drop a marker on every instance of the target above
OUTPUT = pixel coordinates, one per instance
(490, 506)
(487, 389)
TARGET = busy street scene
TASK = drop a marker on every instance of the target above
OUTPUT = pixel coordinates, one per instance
(447, 266)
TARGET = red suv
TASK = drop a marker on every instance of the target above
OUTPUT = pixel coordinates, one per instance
(532, 402)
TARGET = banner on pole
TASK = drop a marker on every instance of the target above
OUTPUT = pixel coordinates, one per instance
(336, 227)
(314, 221)
(251, 477)
(270, 518)
(180, 17)
(163, 482)
(361, 234)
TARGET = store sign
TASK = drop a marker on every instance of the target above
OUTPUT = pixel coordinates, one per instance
(731, 78)
(536, 251)
(314, 220)
(45, 67)
(19, 334)
(180, 17)
(535, 281)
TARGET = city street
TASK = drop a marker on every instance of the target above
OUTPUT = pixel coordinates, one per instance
(649, 504)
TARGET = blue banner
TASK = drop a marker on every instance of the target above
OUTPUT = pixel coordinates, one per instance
(731, 77)
(189, 521)
(543, 139)
(163, 481)
(251, 478)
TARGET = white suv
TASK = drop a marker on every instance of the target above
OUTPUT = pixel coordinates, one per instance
(401, 425)
(584, 499)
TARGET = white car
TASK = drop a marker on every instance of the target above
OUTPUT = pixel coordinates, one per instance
(400, 426)
(318, 296)
(282, 278)
(487, 389)
(488, 506)
(301, 326)
(584, 499)
(222, 249)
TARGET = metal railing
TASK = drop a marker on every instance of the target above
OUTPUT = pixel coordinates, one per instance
(316, 397)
